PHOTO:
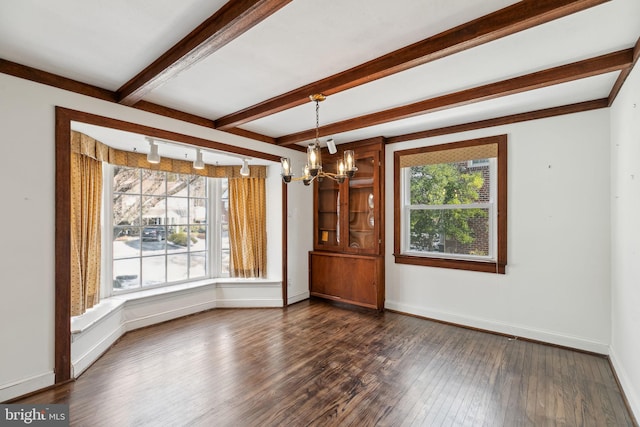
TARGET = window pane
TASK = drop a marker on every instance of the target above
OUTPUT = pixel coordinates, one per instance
(177, 185)
(198, 237)
(178, 240)
(198, 186)
(154, 210)
(126, 180)
(197, 265)
(223, 206)
(177, 210)
(449, 183)
(153, 182)
(197, 211)
(177, 267)
(153, 239)
(126, 274)
(153, 270)
(450, 231)
(160, 227)
(126, 242)
(126, 209)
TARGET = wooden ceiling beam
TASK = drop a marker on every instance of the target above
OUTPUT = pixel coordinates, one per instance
(512, 19)
(227, 24)
(578, 70)
(54, 80)
(504, 120)
(60, 82)
(624, 74)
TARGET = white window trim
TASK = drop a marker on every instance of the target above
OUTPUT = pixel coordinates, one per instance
(405, 231)
(214, 241)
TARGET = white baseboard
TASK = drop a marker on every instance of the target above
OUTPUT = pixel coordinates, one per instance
(22, 387)
(135, 322)
(629, 388)
(249, 303)
(81, 364)
(292, 299)
(503, 328)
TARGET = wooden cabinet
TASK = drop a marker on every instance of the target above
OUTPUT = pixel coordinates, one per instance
(353, 279)
(347, 261)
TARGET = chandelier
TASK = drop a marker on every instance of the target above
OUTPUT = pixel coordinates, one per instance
(345, 167)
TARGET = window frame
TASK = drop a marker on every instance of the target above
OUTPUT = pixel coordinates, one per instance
(455, 262)
(214, 265)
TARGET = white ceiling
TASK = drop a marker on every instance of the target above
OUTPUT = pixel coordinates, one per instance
(107, 43)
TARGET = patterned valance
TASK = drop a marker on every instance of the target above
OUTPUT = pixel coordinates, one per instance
(451, 155)
(84, 144)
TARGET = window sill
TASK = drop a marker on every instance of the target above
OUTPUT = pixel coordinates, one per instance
(95, 314)
(172, 289)
(458, 264)
(108, 306)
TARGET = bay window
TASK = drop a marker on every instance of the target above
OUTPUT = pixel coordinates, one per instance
(166, 227)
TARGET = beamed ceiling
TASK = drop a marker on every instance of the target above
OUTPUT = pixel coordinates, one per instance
(401, 69)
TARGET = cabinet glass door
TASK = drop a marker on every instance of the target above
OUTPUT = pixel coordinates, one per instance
(328, 213)
(363, 205)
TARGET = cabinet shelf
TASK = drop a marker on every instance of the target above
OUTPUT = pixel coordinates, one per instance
(359, 186)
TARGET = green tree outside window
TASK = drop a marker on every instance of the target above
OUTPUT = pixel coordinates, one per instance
(438, 185)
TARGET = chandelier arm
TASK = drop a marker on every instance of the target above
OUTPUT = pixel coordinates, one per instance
(313, 168)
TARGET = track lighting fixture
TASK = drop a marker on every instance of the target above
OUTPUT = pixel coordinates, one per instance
(244, 170)
(331, 146)
(198, 163)
(153, 156)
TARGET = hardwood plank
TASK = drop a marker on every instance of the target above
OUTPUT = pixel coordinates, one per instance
(322, 364)
(466, 397)
(516, 395)
(509, 20)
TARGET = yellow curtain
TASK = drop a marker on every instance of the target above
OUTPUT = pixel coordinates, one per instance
(86, 196)
(247, 227)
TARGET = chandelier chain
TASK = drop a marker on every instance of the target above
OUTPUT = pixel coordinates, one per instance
(317, 120)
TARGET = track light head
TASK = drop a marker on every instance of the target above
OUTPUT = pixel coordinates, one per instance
(244, 170)
(153, 156)
(198, 163)
(331, 146)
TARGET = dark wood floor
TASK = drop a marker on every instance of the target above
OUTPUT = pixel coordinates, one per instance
(323, 365)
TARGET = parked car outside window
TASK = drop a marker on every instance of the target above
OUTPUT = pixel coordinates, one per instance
(157, 233)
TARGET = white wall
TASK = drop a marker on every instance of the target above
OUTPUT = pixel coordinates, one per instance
(625, 238)
(300, 217)
(27, 259)
(556, 286)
